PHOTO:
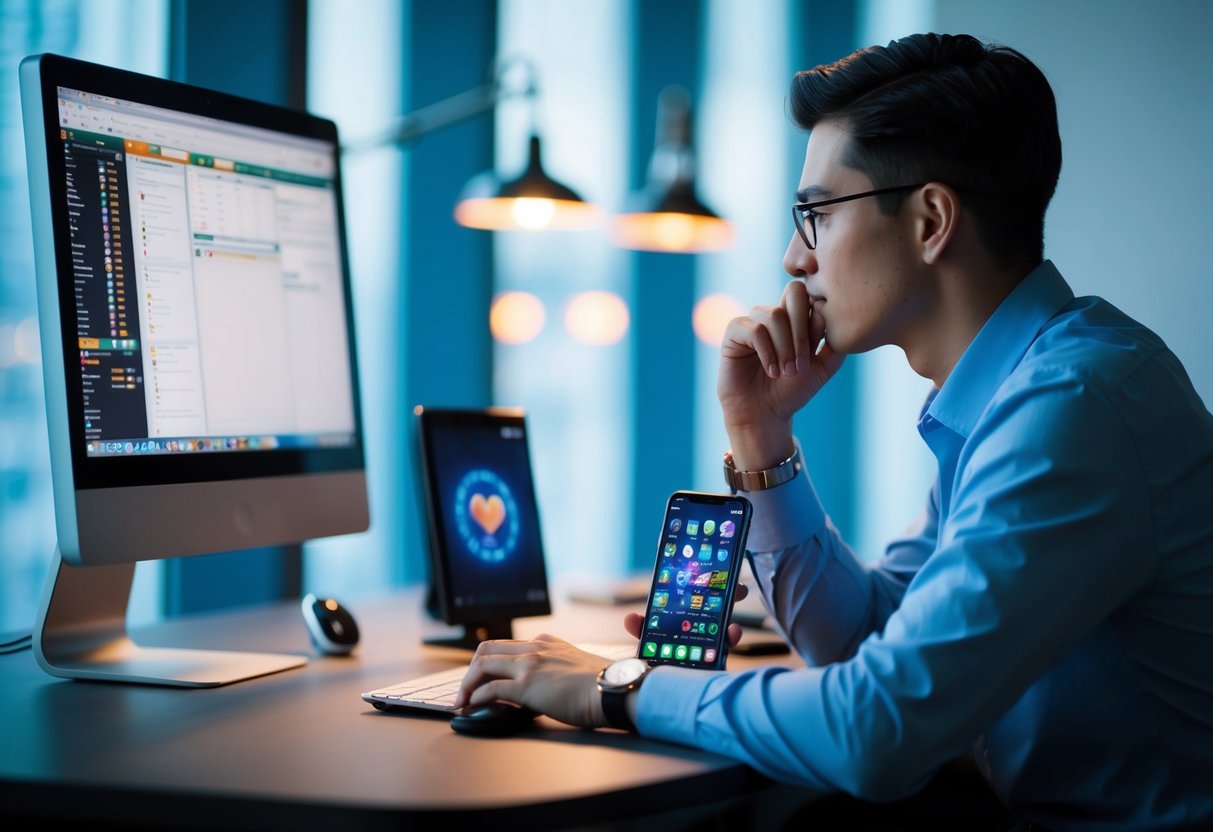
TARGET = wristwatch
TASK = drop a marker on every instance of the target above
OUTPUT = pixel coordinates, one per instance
(615, 682)
(760, 480)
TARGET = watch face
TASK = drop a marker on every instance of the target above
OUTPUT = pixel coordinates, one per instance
(624, 672)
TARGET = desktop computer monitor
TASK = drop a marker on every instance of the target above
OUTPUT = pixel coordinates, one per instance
(197, 347)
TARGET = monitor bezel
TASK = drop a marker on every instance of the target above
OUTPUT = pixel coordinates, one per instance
(427, 421)
(107, 472)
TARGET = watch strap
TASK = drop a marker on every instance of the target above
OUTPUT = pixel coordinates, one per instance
(615, 708)
(760, 480)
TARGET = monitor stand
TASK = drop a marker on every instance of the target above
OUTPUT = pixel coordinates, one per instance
(80, 633)
(473, 634)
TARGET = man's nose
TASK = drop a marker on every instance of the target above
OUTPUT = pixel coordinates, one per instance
(799, 260)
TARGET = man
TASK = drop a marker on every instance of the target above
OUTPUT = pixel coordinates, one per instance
(1052, 611)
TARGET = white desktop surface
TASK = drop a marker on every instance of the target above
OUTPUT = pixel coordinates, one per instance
(301, 748)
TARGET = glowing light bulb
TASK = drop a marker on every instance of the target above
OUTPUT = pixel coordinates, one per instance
(675, 232)
(533, 214)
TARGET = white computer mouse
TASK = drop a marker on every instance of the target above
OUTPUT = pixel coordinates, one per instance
(331, 626)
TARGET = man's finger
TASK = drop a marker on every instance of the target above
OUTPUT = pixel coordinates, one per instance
(745, 337)
(799, 308)
(633, 622)
(494, 691)
(734, 634)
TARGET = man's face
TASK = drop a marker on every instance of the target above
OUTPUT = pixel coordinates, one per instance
(862, 273)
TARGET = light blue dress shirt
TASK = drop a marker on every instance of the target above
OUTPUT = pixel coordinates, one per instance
(1051, 611)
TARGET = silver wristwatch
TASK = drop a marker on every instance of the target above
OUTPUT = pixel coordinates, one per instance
(760, 480)
(615, 682)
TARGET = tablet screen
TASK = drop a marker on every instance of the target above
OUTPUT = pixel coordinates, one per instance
(486, 542)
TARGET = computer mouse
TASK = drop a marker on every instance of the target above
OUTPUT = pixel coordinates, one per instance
(331, 626)
(497, 719)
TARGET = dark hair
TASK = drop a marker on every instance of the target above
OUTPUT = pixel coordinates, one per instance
(947, 108)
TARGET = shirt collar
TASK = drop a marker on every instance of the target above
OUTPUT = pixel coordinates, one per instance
(998, 348)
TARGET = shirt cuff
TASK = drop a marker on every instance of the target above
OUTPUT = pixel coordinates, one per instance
(784, 516)
(667, 704)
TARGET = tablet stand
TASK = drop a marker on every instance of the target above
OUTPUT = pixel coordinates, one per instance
(473, 634)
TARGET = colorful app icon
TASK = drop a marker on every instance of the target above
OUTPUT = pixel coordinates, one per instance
(655, 622)
(676, 525)
(683, 577)
(713, 628)
(670, 549)
(709, 655)
(696, 601)
(703, 578)
(667, 651)
(722, 555)
(665, 575)
(720, 580)
(660, 599)
(728, 528)
(705, 552)
(686, 625)
(714, 603)
(650, 649)
(709, 526)
(692, 527)
(688, 551)
(696, 654)
(680, 652)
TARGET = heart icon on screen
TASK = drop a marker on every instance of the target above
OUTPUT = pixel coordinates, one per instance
(489, 513)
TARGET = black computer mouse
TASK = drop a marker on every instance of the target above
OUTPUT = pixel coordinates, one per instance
(331, 626)
(497, 719)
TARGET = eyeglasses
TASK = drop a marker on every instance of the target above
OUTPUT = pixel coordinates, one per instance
(806, 220)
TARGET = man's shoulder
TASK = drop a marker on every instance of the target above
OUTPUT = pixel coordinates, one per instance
(1092, 361)
(1095, 344)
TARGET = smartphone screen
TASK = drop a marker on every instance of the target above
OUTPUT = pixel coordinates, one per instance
(698, 556)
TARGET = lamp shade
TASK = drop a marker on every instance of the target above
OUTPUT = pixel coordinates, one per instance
(673, 220)
(532, 202)
(668, 214)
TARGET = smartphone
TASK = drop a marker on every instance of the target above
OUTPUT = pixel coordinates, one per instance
(699, 556)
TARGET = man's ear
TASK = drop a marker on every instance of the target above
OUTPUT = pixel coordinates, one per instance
(938, 214)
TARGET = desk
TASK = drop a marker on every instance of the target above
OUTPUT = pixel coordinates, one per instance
(300, 749)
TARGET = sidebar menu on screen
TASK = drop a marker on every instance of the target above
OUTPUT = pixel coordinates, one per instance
(107, 311)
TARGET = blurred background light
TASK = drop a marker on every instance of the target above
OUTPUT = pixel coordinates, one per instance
(516, 317)
(598, 318)
(711, 317)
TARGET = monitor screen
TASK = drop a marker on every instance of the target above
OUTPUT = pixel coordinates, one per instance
(209, 312)
(196, 314)
(197, 335)
(486, 545)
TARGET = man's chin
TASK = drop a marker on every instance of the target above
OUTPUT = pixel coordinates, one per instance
(839, 344)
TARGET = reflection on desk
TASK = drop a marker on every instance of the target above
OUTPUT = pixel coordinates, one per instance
(301, 749)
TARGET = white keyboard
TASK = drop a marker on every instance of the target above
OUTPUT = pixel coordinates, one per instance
(436, 691)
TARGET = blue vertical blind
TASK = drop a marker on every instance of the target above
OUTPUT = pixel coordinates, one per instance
(562, 324)
(361, 90)
(132, 35)
(667, 50)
